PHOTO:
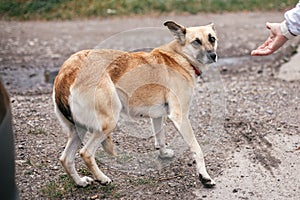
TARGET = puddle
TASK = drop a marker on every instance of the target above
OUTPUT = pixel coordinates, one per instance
(49, 76)
(233, 61)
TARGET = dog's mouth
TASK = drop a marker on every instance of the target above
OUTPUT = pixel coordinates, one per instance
(212, 57)
(208, 58)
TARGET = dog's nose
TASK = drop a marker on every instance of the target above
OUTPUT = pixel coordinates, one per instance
(212, 56)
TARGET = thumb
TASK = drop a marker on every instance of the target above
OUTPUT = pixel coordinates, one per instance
(268, 25)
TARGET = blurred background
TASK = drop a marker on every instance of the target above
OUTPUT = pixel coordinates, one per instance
(68, 9)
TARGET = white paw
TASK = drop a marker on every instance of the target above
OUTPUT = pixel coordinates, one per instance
(105, 180)
(166, 153)
(207, 181)
(85, 181)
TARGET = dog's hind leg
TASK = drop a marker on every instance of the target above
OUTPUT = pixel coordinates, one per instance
(107, 111)
(68, 155)
(88, 155)
(160, 139)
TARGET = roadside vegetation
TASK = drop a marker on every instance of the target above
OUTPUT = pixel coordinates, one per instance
(68, 9)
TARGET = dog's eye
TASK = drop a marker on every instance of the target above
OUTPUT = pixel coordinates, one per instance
(197, 42)
(211, 38)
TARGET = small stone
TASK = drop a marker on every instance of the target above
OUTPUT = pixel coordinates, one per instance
(20, 162)
(235, 190)
(94, 197)
(171, 184)
(31, 43)
(55, 56)
(270, 112)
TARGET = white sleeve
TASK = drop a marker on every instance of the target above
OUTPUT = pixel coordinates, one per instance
(292, 18)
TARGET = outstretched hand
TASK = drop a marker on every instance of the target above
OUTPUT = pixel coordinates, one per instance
(274, 42)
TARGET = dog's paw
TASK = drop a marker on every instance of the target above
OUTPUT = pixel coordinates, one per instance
(166, 153)
(207, 182)
(85, 181)
(104, 181)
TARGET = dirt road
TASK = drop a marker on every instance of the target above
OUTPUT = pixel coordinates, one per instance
(245, 118)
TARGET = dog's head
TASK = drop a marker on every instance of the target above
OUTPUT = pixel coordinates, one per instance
(199, 44)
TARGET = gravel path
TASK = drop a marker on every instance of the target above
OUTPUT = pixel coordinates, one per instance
(245, 117)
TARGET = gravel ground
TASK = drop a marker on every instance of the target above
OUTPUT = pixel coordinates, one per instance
(245, 118)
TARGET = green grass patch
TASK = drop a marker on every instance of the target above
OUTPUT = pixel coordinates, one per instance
(142, 181)
(64, 187)
(68, 9)
(57, 189)
(38, 131)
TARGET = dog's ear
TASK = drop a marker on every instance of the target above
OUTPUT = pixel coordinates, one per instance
(177, 30)
(212, 26)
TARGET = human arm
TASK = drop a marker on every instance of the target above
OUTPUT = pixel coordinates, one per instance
(280, 32)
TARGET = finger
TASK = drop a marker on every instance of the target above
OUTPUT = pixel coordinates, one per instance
(265, 44)
(268, 25)
(262, 52)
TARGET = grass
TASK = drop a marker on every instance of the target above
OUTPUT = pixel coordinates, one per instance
(142, 181)
(37, 131)
(68, 9)
(58, 189)
(64, 186)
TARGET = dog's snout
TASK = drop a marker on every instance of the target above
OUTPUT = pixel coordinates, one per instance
(212, 56)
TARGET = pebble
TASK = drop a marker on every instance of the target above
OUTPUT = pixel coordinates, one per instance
(20, 162)
(171, 184)
(269, 112)
(94, 197)
(31, 43)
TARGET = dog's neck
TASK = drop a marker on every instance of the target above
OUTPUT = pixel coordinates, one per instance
(197, 71)
(177, 48)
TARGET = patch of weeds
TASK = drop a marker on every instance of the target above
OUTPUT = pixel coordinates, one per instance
(111, 190)
(52, 190)
(84, 171)
(28, 172)
(64, 186)
(108, 191)
(67, 9)
(38, 131)
(58, 188)
(124, 158)
(141, 181)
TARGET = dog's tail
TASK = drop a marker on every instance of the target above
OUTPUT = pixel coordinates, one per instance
(63, 81)
(61, 93)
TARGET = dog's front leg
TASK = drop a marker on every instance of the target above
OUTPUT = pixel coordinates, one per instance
(183, 125)
(160, 139)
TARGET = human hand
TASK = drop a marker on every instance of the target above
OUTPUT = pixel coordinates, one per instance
(274, 42)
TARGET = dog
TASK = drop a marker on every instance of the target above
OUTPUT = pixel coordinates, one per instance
(94, 86)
